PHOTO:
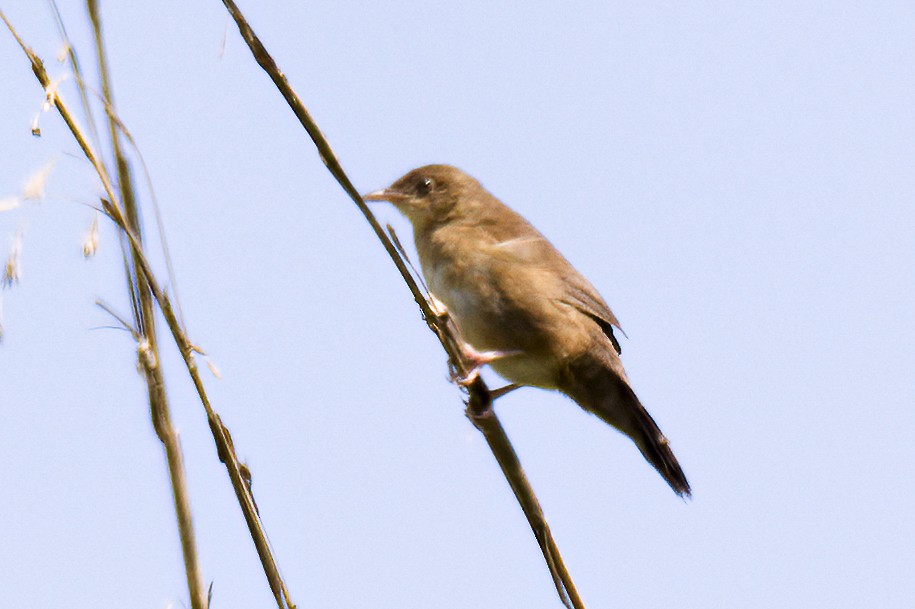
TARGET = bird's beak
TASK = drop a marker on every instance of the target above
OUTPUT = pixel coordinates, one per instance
(386, 194)
(391, 195)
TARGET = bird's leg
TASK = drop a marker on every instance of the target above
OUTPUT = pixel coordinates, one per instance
(495, 394)
(476, 360)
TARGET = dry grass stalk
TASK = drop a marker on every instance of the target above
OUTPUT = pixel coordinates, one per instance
(239, 474)
(138, 287)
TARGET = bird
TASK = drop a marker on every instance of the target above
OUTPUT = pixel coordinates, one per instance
(520, 305)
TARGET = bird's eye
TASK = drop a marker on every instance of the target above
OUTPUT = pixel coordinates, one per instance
(424, 187)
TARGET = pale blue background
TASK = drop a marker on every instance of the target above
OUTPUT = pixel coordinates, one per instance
(735, 178)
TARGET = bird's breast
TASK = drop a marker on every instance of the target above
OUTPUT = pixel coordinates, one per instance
(463, 291)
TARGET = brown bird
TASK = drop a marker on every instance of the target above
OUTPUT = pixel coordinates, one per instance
(515, 296)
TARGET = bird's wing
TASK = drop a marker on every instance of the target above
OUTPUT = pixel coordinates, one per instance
(582, 295)
(531, 248)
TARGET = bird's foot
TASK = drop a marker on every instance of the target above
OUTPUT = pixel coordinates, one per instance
(438, 307)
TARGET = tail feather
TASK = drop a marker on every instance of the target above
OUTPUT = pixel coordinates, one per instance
(609, 396)
(651, 441)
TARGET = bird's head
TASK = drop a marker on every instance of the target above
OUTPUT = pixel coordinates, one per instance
(430, 194)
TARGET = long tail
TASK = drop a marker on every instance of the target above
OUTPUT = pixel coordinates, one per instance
(648, 437)
(611, 398)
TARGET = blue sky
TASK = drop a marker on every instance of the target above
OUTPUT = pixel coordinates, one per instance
(736, 180)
